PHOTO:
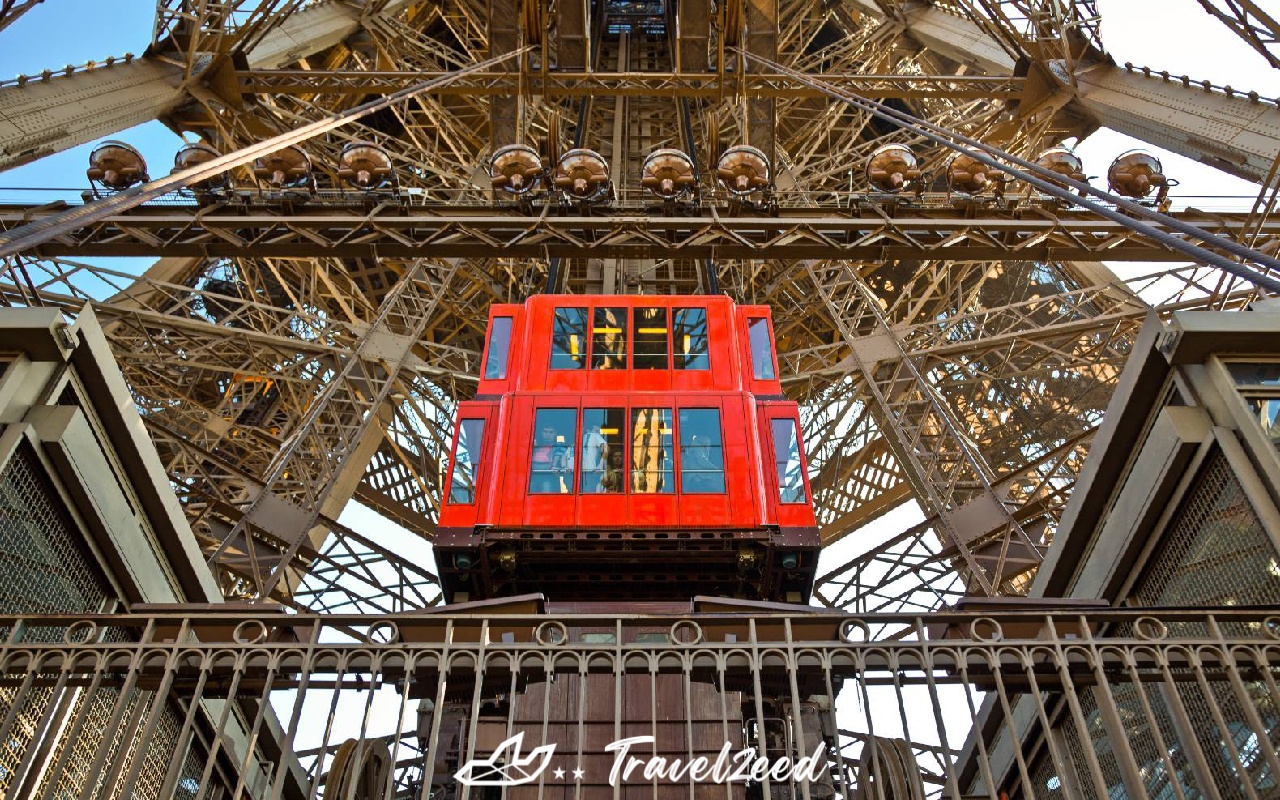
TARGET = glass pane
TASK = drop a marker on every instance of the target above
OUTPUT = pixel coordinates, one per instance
(761, 349)
(569, 338)
(786, 457)
(599, 637)
(609, 338)
(462, 484)
(1264, 374)
(603, 450)
(651, 338)
(1267, 411)
(701, 451)
(651, 448)
(691, 339)
(495, 367)
(554, 431)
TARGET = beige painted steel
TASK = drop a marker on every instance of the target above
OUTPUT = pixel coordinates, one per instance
(46, 117)
(1236, 134)
(955, 37)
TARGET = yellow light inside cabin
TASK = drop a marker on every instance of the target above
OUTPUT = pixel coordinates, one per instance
(652, 330)
(608, 330)
(609, 431)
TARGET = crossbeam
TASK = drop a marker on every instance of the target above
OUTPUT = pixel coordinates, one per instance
(864, 232)
(637, 84)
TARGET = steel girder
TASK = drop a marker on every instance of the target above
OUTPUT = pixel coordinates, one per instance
(1029, 230)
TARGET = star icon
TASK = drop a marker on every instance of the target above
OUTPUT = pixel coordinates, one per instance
(559, 773)
(577, 774)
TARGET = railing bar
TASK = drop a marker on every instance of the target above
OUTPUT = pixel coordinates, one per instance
(251, 745)
(185, 738)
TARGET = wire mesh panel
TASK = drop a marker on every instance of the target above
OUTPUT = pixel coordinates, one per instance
(1190, 734)
(44, 568)
(44, 565)
(1216, 552)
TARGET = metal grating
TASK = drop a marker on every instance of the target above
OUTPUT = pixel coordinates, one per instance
(44, 567)
(1216, 552)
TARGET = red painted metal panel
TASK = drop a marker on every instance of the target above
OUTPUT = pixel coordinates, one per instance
(750, 499)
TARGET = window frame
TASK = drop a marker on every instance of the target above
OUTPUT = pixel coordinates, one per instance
(584, 354)
(1256, 392)
(622, 436)
(778, 476)
(506, 353)
(572, 445)
(706, 327)
(626, 337)
(634, 332)
(475, 462)
(674, 467)
(680, 446)
(767, 327)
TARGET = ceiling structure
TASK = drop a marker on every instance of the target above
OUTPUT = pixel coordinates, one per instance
(293, 354)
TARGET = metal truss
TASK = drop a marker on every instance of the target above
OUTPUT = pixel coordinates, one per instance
(857, 229)
(953, 352)
(1250, 22)
(555, 85)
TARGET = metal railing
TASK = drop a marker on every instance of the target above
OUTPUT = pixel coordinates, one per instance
(245, 701)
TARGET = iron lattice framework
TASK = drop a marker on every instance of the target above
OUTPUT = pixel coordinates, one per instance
(957, 353)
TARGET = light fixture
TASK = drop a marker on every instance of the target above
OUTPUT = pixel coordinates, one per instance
(287, 168)
(743, 170)
(515, 169)
(892, 167)
(668, 173)
(1135, 173)
(365, 166)
(117, 166)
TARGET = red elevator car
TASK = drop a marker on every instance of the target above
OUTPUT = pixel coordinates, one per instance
(636, 441)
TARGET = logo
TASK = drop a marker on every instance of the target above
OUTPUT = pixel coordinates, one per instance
(507, 767)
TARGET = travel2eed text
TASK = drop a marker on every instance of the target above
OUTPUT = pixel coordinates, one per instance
(508, 767)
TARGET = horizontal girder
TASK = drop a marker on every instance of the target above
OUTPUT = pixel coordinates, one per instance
(863, 233)
(638, 84)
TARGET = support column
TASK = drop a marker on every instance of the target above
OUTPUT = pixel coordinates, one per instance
(762, 40)
(946, 34)
(1235, 134)
(693, 21)
(573, 37)
(504, 36)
